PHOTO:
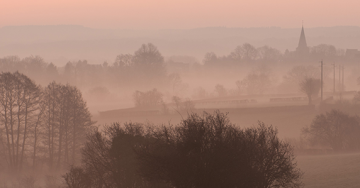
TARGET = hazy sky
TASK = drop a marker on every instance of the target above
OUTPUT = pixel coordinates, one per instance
(183, 14)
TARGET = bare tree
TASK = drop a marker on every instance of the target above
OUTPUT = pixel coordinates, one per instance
(67, 122)
(19, 105)
(81, 123)
(51, 100)
(38, 129)
(310, 87)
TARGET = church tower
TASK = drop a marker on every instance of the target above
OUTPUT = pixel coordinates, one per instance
(302, 50)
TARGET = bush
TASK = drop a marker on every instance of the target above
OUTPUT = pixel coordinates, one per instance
(208, 151)
(334, 129)
(77, 178)
(109, 159)
(201, 152)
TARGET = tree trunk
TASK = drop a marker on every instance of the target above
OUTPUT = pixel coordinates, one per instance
(60, 142)
(24, 137)
(8, 135)
(12, 136)
(49, 135)
(18, 135)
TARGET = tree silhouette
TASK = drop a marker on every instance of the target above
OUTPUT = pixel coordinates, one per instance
(310, 87)
(149, 63)
(336, 129)
(148, 98)
(109, 158)
(208, 151)
(67, 119)
(19, 104)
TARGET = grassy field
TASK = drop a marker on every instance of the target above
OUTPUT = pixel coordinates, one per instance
(288, 119)
(324, 171)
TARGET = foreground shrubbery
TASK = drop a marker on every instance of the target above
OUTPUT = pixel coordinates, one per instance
(202, 151)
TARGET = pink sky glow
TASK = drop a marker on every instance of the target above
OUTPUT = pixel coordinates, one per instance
(180, 14)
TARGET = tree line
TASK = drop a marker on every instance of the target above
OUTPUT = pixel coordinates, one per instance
(40, 125)
(147, 66)
(144, 67)
(249, 54)
(202, 151)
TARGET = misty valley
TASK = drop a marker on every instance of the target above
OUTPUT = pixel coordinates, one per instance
(255, 116)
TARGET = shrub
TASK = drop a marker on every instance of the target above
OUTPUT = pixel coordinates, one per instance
(335, 129)
(208, 151)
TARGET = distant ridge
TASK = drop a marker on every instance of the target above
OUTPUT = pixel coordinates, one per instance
(61, 43)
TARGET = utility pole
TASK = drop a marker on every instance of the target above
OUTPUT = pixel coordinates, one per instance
(334, 79)
(321, 80)
(340, 86)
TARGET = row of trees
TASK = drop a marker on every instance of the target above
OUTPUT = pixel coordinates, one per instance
(202, 151)
(144, 67)
(248, 53)
(34, 67)
(40, 125)
(245, 53)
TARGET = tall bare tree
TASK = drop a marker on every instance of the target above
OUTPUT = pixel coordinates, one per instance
(67, 121)
(19, 106)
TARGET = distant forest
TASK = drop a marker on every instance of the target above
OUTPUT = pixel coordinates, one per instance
(146, 68)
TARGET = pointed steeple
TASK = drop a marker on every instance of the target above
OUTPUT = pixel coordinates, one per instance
(302, 41)
(302, 48)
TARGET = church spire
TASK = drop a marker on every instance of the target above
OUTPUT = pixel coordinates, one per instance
(302, 48)
(302, 41)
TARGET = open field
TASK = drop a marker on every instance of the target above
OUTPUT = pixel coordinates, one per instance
(288, 119)
(324, 171)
